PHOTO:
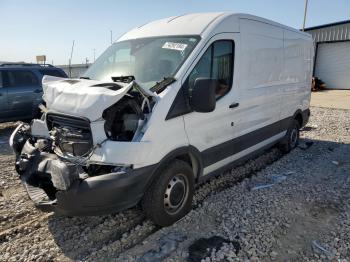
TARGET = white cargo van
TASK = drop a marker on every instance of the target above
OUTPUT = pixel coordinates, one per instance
(165, 107)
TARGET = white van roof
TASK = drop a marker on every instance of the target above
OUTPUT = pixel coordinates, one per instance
(195, 24)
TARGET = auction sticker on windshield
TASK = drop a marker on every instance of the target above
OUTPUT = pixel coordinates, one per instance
(174, 46)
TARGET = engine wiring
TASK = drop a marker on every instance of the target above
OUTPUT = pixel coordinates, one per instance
(78, 160)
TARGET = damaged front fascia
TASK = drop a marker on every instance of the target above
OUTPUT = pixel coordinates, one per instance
(89, 99)
(85, 98)
(43, 172)
(81, 98)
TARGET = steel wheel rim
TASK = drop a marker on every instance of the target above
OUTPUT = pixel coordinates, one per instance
(293, 138)
(176, 194)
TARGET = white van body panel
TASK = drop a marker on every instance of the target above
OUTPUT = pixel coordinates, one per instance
(206, 130)
(212, 168)
(106, 142)
(159, 138)
(262, 52)
(271, 81)
(298, 64)
(188, 24)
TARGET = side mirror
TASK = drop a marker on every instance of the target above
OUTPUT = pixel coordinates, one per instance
(203, 95)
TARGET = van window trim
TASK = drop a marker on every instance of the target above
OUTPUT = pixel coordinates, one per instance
(205, 47)
(208, 44)
(211, 45)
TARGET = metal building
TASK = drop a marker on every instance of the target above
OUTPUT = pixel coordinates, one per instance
(332, 54)
(75, 70)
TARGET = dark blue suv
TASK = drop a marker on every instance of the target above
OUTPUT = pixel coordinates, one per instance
(21, 90)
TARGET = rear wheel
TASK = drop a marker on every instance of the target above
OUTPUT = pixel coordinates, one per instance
(291, 140)
(169, 198)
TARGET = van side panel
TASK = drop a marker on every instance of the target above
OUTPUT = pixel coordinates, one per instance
(295, 92)
(260, 79)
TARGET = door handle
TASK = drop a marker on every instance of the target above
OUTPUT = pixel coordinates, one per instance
(234, 105)
(37, 91)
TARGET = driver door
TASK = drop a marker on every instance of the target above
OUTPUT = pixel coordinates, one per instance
(212, 133)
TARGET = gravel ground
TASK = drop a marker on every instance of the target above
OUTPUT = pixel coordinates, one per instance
(284, 208)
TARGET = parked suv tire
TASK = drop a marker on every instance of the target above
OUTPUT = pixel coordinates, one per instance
(169, 197)
(291, 140)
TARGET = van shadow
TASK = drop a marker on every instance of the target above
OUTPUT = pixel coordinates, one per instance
(78, 237)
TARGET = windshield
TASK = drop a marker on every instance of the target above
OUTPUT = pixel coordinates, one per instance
(149, 60)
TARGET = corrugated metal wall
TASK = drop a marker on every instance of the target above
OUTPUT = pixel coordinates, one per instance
(332, 54)
(333, 64)
(331, 33)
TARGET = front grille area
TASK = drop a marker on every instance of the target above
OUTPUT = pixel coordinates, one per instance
(71, 134)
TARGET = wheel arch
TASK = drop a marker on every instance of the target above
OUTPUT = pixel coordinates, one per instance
(298, 115)
(188, 154)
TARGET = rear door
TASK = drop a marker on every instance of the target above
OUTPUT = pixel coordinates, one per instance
(3, 99)
(22, 88)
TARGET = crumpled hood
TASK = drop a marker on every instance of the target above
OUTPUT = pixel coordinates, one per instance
(81, 97)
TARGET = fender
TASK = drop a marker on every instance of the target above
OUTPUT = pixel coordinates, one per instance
(185, 150)
(305, 114)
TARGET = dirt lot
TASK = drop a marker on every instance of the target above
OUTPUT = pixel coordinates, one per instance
(294, 207)
(331, 99)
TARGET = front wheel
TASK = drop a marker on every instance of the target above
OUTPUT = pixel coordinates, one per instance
(169, 197)
(291, 139)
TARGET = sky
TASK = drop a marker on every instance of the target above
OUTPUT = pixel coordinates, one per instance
(48, 27)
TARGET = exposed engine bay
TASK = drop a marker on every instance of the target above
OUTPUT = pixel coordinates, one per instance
(124, 118)
(52, 154)
(123, 107)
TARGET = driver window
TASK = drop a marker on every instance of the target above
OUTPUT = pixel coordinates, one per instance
(216, 63)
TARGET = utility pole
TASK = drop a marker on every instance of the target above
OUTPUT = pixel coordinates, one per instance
(305, 12)
(111, 37)
(70, 60)
(94, 54)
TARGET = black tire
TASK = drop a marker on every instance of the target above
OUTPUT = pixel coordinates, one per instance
(291, 140)
(173, 187)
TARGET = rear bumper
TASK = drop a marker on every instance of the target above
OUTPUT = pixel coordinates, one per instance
(102, 194)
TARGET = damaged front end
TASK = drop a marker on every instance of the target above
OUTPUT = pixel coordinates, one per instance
(56, 155)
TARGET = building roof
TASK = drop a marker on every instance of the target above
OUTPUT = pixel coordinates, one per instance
(328, 25)
(75, 65)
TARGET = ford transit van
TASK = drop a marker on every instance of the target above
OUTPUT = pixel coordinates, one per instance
(167, 106)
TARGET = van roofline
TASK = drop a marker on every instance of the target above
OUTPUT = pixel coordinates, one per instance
(194, 24)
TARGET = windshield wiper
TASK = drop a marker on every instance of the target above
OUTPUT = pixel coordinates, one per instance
(85, 77)
(161, 85)
(123, 79)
